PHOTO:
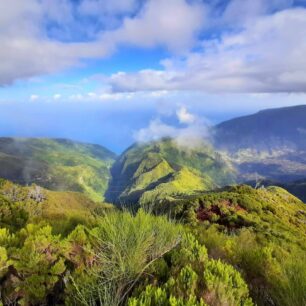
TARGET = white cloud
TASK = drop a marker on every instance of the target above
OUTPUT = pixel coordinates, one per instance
(171, 23)
(106, 95)
(34, 97)
(265, 55)
(268, 55)
(239, 12)
(184, 116)
(100, 7)
(194, 134)
(57, 96)
(156, 130)
(27, 50)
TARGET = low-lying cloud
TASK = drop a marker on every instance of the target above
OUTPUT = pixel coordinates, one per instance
(192, 133)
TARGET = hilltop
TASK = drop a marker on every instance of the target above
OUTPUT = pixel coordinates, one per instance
(151, 171)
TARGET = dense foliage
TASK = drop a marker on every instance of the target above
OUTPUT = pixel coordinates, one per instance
(97, 262)
(262, 232)
(234, 246)
(103, 264)
(186, 276)
(105, 261)
(63, 210)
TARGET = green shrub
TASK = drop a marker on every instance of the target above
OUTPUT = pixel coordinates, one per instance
(193, 279)
(38, 266)
(225, 285)
(155, 296)
(124, 247)
(3, 261)
(12, 215)
(290, 288)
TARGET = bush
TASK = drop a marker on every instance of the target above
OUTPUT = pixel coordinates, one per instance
(38, 266)
(225, 285)
(290, 288)
(124, 247)
(3, 261)
(12, 215)
(155, 296)
(193, 279)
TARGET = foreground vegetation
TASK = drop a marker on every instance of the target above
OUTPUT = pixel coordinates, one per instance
(261, 232)
(235, 246)
(110, 258)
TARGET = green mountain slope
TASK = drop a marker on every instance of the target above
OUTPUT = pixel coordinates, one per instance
(150, 172)
(262, 232)
(20, 205)
(296, 188)
(56, 164)
(270, 210)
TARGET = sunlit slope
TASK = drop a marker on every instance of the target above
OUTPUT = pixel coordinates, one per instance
(20, 205)
(56, 164)
(262, 232)
(152, 171)
(271, 211)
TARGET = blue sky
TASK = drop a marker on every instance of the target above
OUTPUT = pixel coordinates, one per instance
(115, 72)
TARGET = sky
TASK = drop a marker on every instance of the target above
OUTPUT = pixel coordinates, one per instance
(115, 72)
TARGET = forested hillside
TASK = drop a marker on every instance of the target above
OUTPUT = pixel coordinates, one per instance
(180, 230)
(56, 164)
(151, 171)
(61, 248)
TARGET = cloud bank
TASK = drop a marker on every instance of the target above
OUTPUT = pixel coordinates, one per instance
(267, 55)
(192, 133)
(253, 46)
(38, 37)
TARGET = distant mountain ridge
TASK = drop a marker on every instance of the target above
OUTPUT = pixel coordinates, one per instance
(269, 145)
(269, 129)
(56, 164)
